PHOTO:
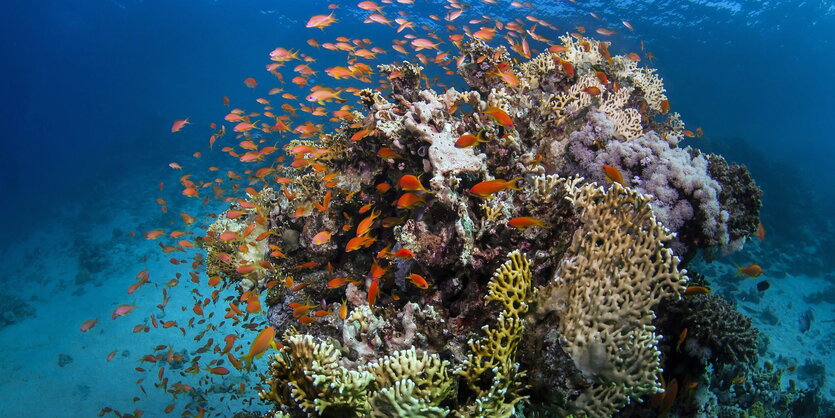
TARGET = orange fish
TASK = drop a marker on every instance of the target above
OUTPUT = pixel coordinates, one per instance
(320, 21)
(383, 187)
(613, 174)
(122, 310)
(337, 282)
(322, 238)
(418, 281)
(404, 253)
(592, 90)
(264, 340)
(760, 234)
(486, 189)
(695, 290)
(365, 225)
(377, 271)
(87, 325)
(468, 140)
(681, 338)
(524, 222)
(410, 183)
(373, 290)
(605, 32)
(343, 310)
(387, 153)
(250, 82)
(601, 76)
(665, 106)
(179, 124)
(410, 200)
(220, 371)
(753, 270)
(499, 116)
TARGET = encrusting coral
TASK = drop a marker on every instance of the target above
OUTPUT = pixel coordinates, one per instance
(387, 241)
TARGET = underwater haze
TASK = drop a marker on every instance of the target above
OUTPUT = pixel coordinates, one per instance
(211, 204)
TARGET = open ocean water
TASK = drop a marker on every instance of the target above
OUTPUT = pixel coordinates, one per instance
(91, 89)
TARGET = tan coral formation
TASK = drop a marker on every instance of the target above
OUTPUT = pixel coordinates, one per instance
(616, 271)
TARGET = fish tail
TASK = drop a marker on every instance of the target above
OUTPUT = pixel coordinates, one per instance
(512, 183)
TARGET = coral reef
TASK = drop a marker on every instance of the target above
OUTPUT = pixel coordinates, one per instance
(717, 332)
(386, 242)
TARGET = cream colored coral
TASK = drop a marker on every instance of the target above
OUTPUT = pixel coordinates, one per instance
(428, 371)
(307, 373)
(616, 270)
(644, 79)
(627, 120)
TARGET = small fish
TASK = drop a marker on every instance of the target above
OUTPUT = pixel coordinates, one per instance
(87, 325)
(605, 32)
(377, 271)
(613, 174)
(404, 253)
(320, 21)
(468, 140)
(738, 380)
(499, 116)
(628, 25)
(220, 371)
(410, 183)
(805, 321)
(322, 238)
(418, 281)
(410, 201)
(753, 270)
(486, 189)
(373, 290)
(695, 290)
(122, 310)
(681, 338)
(179, 124)
(601, 76)
(524, 222)
(763, 286)
(760, 234)
(343, 310)
(264, 340)
(592, 90)
(387, 153)
(338, 282)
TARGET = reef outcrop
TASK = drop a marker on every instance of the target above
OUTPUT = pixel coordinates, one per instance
(409, 271)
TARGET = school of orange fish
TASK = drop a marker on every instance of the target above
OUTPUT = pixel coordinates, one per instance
(251, 137)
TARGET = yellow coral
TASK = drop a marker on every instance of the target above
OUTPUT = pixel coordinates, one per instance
(495, 353)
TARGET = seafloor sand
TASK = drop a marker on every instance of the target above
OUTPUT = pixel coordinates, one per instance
(78, 265)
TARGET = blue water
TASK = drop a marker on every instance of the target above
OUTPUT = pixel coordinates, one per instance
(91, 87)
